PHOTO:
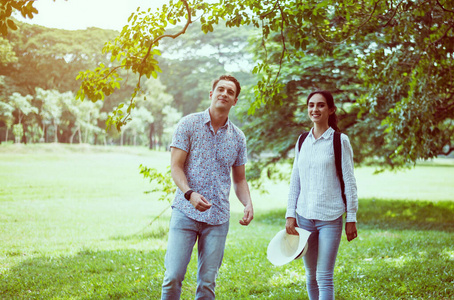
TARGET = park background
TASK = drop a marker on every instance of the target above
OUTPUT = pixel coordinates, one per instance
(76, 221)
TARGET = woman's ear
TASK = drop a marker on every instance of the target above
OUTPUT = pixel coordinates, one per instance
(332, 110)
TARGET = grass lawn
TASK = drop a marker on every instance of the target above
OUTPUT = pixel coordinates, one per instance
(74, 224)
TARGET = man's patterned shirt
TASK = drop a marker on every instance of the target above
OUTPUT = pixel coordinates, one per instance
(208, 164)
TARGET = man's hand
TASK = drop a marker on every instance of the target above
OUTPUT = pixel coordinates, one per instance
(248, 215)
(350, 230)
(290, 225)
(199, 202)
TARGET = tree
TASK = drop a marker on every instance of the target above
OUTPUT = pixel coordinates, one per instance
(6, 116)
(404, 70)
(199, 58)
(7, 54)
(408, 72)
(52, 108)
(86, 115)
(159, 103)
(6, 109)
(22, 107)
(7, 7)
(50, 58)
(141, 120)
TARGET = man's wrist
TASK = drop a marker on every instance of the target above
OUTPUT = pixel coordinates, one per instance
(187, 195)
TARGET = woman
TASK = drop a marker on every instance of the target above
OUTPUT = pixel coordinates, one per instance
(315, 199)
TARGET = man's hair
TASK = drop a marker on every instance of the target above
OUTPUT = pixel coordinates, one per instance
(228, 78)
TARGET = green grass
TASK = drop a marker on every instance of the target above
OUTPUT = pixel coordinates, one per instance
(74, 225)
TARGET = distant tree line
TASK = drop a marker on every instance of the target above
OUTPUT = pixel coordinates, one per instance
(38, 83)
(388, 64)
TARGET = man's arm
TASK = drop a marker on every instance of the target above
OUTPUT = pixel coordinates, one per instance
(242, 192)
(177, 160)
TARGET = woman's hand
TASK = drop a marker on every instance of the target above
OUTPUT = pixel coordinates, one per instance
(350, 230)
(290, 225)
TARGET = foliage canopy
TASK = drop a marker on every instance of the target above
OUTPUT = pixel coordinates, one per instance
(389, 64)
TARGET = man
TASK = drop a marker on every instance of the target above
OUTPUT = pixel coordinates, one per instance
(206, 146)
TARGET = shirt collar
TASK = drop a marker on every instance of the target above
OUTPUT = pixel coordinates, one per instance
(326, 135)
(207, 118)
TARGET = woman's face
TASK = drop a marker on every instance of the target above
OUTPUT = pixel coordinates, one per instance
(318, 110)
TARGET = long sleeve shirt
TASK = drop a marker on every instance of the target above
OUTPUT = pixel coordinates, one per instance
(315, 191)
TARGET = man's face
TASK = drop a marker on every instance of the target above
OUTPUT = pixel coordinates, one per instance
(223, 95)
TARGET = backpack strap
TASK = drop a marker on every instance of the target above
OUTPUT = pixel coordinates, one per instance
(337, 158)
(338, 161)
(301, 139)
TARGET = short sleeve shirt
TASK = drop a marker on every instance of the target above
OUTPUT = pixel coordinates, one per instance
(208, 164)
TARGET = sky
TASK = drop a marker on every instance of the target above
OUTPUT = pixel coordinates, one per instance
(80, 14)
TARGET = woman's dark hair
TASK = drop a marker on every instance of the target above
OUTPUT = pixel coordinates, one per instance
(332, 120)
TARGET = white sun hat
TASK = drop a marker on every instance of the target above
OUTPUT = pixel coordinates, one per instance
(284, 247)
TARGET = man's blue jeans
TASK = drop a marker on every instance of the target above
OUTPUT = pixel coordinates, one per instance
(321, 255)
(183, 233)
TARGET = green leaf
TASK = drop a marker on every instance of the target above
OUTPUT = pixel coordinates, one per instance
(11, 24)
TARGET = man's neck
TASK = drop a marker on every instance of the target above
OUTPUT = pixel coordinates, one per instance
(218, 118)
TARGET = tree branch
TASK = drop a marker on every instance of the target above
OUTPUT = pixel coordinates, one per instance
(444, 35)
(448, 151)
(394, 14)
(264, 44)
(445, 111)
(357, 29)
(439, 4)
(143, 60)
(284, 49)
(434, 43)
(173, 36)
(270, 12)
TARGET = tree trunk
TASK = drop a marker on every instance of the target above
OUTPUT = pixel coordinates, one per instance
(86, 135)
(43, 139)
(80, 135)
(73, 135)
(150, 137)
(55, 133)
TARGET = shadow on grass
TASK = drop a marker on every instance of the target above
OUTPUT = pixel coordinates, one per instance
(128, 274)
(391, 214)
(414, 263)
(416, 266)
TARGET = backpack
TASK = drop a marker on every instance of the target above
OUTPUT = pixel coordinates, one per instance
(337, 158)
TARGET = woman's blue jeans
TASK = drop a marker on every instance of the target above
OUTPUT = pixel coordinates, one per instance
(183, 233)
(321, 255)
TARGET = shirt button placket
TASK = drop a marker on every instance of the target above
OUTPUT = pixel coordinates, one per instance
(311, 167)
(215, 154)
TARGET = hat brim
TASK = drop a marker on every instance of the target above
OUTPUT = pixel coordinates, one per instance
(284, 247)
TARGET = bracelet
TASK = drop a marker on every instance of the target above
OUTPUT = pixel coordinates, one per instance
(187, 195)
